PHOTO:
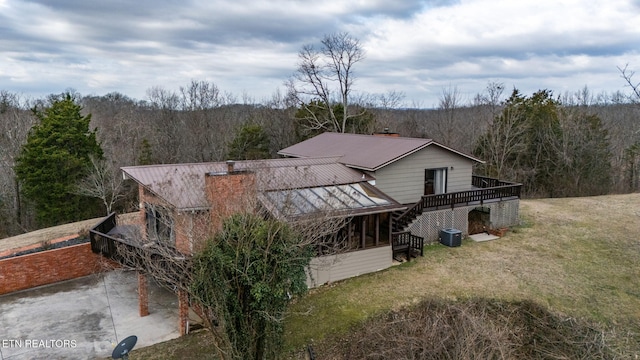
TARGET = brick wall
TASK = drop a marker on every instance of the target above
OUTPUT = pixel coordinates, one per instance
(50, 266)
(229, 193)
(183, 223)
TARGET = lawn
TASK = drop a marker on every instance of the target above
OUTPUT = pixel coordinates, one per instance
(579, 257)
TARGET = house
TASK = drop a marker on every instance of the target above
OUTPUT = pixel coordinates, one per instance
(435, 181)
(386, 193)
(181, 204)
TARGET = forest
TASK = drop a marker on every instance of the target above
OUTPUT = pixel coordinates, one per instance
(574, 144)
(60, 156)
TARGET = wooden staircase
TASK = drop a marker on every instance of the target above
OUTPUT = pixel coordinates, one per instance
(403, 242)
(402, 219)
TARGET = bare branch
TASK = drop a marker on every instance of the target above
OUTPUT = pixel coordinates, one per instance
(326, 75)
(104, 182)
(627, 75)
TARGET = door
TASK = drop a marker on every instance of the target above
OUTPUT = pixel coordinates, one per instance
(435, 181)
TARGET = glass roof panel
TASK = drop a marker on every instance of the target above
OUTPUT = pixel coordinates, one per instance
(294, 202)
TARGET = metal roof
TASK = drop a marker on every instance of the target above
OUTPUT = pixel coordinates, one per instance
(183, 185)
(366, 152)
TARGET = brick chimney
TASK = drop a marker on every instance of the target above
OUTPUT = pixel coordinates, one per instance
(229, 192)
(386, 132)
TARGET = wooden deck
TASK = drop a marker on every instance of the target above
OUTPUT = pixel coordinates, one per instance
(485, 190)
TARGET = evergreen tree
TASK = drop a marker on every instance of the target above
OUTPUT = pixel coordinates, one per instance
(146, 153)
(251, 143)
(55, 157)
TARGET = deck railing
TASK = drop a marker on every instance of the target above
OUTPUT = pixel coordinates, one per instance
(405, 242)
(99, 238)
(487, 189)
(136, 254)
(488, 182)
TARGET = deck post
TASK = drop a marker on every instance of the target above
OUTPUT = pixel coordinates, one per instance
(143, 295)
(183, 312)
(377, 229)
(363, 236)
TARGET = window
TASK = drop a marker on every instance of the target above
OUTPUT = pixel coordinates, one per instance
(435, 181)
(159, 224)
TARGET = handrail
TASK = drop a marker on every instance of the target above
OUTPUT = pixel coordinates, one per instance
(488, 189)
(406, 238)
(487, 182)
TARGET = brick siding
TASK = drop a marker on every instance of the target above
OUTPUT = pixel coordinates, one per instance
(50, 266)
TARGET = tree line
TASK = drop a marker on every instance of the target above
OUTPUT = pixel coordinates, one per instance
(571, 144)
(566, 145)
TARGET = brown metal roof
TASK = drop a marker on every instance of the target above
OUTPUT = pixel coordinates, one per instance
(366, 152)
(183, 185)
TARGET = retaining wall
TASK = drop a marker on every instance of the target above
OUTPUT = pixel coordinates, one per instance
(50, 266)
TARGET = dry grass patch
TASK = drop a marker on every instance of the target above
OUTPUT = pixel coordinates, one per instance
(471, 329)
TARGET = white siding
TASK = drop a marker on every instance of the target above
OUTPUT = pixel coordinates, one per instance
(331, 268)
(403, 180)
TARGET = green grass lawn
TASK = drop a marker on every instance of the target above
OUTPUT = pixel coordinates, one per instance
(579, 257)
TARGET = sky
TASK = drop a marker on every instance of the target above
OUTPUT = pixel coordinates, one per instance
(250, 47)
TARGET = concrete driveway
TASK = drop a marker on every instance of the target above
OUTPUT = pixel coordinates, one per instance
(83, 318)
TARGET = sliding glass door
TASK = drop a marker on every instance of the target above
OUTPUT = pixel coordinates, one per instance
(435, 181)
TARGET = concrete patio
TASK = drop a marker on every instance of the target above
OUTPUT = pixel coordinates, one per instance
(83, 318)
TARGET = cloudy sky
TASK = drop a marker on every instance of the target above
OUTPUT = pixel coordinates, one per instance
(250, 46)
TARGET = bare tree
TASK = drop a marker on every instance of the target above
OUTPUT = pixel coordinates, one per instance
(166, 139)
(502, 143)
(275, 118)
(326, 75)
(383, 106)
(491, 97)
(104, 182)
(200, 95)
(627, 75)
(447, 124)
(392, 99)
(15, 122)
(582, 166)
(207, 125)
